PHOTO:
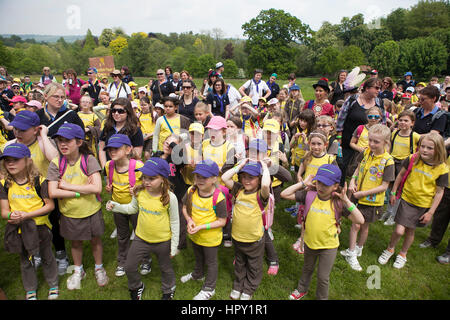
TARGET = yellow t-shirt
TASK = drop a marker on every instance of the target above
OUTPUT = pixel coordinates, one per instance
(300, 149)
(153, 223)
(88, 118)
(372, 174)
(273, 155)
(251, 128)
(247, 223)
(363, 140)
(420, 186)
(315, 163)
(192, 156)
(165, 131)
(401, 147)
(218, 154)
(202, 213)
(147, 124)
(24, 198)
(39, 159)
(87, 204)
(320, 226)
(121, 183)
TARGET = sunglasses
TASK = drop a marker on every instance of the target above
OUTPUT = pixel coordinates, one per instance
(187, 87)
(373, 117)
(119, 111)
(323, 125)
(160, 74)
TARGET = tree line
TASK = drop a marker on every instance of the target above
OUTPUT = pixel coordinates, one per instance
(415, 39)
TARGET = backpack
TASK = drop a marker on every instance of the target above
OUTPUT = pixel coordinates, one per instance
(37, 187)
(411, 142)
(62, 162)
(437, 116)
(131, 172)
(405, 176)
(310, 196)
(228, 199)
(267, 214)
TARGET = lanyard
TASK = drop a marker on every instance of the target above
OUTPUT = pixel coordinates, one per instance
(219, 97)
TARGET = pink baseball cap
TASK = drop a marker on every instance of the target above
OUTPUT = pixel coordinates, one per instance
(34, 103)
(18, 99)
(217, 123)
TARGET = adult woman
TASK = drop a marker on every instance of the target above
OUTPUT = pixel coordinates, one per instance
(282, 98)
(425, 123)
(121, 119)
(337, 87)
(56, 110)
(387, 85)
(321, 106)
(188, 100)
(161, 87)
(47, 77)
(353, 114)
(93, 86)
(208, 86)
(118, 88)
(218, 99)
(126, 75)
(73, 85)
(169, 73)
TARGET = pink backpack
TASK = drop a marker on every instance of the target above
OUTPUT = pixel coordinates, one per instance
(228, 199)
(405, 176)
(131, 172)
(267, 214)
(310, 196)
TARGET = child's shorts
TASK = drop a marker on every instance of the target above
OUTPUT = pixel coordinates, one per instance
(370, 213)
(82, 228)
(408, 215)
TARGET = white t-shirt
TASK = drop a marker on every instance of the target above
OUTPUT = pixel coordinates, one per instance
(256, 91)
(233, 95)
(123, 89)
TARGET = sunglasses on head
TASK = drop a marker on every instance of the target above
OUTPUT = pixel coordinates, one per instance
(119, 111)
(373, 116)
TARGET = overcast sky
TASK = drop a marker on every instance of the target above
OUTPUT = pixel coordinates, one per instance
(74, 17)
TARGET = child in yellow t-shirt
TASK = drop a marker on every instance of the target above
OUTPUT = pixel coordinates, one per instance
(368, 185)
(90, 121)
(147, 120)
(205, 216)
(427, 169)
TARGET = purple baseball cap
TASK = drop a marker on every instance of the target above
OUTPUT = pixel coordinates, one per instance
(207, 168)
(328, 174)
(16, 150)
(154, 167)
(69, 131)
(25, 120)
(259, 145)
(117, 140)
(252, 168)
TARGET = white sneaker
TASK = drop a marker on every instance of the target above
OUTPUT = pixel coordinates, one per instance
(132, 235)
(101, 277)
(113, 234)
(385, 256)
(74, 281)
(348, 252)
(120, 271)
(235, 295)
(227, 243)
(399, 262)
(204, 295)
(188, 277)
(245, 296)
(390, 221)
(353, 262)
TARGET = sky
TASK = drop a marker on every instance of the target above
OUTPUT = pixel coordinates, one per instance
(75, 17)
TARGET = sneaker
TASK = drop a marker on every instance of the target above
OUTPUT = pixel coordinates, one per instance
(204, 295)
(37, 261)
(53, 293)
(101, 277)
(62, 262)
(31, 295)
(273, 270)
(444, 259)
(298, 226)
(245, 296)
(348, 252)
(132, 236)
(426, 244)
(74, 281)
(168, 296)
(188, 277)
(385, 215)
(136, 294)
(120, 271)
(295, 295)
(353, 262)
(227, 243)
(291, 209)
(399, 262)
(146, 268)
(113, 234)
(390, 221)
(385, 256)
(235, 295)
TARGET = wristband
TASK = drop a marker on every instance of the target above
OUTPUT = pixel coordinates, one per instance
(9, 215)
(393, 193)
(208, 226)
(352, 207)
(338, 137)
(77, 195)
(355, 177)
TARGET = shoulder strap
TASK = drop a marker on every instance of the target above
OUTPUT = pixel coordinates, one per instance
(310, 104)
(393, 138)
(359, 130)
(62, 165)
(37, 187)
(408, 171)
(83, 163)
(131, 172)
(167, 122)
(411, 142)
(216, 193)
(110, 171)
(310, 196)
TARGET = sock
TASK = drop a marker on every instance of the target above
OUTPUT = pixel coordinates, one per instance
(98, 266)
(78, 268)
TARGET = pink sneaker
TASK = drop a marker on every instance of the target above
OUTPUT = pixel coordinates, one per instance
(273, 270)
(295, 295)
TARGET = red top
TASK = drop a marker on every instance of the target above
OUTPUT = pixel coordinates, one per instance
(324, 110)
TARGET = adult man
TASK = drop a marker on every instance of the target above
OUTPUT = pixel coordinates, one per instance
(118, 88)
(219, 69)
(255, 88)
(93, 86)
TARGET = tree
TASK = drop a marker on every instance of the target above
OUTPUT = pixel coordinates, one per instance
(192, 66)
(396, 23)
(89, 42)
(427, 16)
(329, 62)
(228, 51)
(352, 56)
(269, 37)
(5, 56)
(385, 57)
(206, 62)
(106, 37)
(138, 51)
(231, 69)
(117, 45)
(347, 28)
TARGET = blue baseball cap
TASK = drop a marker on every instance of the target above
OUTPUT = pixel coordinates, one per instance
(117, 140)
(154, 167)
(25, 120)
(16, 150)
(328, 174)
(294, 87)
(259, 145)
(69, 131)
(252, 168)
(409, 73)
(207, 168)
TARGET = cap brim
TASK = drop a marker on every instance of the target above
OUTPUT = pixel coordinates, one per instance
(203, 173)
(64, 135)
(325, 180)
(19, 125)
(115, 145)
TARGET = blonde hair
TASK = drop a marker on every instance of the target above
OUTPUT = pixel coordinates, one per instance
(329, 120)
(315, 134)
(203, 106)
(91, 103)
(52, 87)
(440, 154)
(384, 132)
(165, 188)
(31, 173)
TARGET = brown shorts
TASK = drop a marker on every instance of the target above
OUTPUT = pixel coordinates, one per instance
(82, 228)
(370, 213)
(408, 215)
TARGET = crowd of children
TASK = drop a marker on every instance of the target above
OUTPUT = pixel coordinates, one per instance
(211, 181)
